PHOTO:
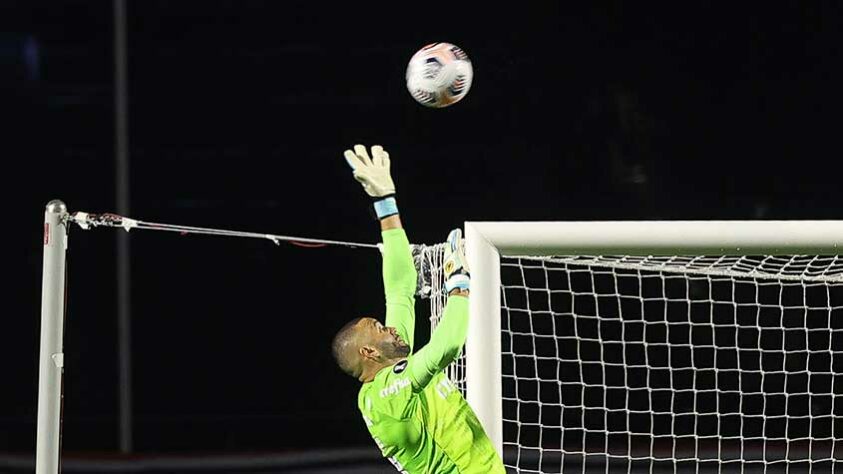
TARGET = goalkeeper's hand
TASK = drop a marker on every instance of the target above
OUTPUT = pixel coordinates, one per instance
(372, 173)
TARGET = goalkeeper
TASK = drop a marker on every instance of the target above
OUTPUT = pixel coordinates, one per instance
(415, 414)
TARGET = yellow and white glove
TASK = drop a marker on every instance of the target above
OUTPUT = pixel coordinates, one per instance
(456, 265)
(373, 174)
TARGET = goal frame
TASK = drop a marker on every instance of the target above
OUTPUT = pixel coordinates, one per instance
(486, 242)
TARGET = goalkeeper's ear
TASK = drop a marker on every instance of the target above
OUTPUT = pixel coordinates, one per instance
(368, 352)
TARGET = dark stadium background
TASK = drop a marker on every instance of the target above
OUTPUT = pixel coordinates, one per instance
(239, 113)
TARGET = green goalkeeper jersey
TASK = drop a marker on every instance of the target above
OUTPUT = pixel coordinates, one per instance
(415, 414)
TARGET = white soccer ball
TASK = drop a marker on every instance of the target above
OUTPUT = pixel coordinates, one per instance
(439, 75)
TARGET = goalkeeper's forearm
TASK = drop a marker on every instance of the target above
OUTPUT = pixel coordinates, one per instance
(449, 336)
(391, 222)
(445, 342)
(399, 271)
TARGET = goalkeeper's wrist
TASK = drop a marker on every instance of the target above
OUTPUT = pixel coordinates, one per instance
(385, 206)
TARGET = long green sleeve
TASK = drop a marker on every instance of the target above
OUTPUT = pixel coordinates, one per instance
(445, 343)
(399, 282)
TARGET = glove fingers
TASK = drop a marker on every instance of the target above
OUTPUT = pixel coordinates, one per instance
(351, 159)
(361, 153)
(377, 155)
(381, 157)
(385, 161)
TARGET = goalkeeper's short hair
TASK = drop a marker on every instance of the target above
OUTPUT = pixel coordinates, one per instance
(345, 350)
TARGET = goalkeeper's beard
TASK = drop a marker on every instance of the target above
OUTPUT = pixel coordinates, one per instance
(395, 349)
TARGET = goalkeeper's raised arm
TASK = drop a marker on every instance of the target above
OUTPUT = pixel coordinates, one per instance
(399, 272)
(417, 417)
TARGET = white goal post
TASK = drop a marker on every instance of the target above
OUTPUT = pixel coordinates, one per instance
(51, 358)
(488, 242)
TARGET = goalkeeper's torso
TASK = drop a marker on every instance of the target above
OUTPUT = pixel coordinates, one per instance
(431, 431)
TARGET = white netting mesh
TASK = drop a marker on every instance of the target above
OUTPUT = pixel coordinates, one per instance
(431, 284)
(672, 364)
(789, 268)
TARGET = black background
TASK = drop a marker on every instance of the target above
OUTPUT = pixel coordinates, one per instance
(239, 113)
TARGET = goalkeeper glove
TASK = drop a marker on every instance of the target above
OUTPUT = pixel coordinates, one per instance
(456, 265)
(373, 174)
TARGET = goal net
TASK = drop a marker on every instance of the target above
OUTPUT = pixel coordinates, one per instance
(724, 363)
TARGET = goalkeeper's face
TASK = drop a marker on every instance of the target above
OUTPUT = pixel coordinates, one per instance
(384, 340)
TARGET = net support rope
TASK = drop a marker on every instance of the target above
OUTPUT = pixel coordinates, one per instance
(428, 258)
(87, 221)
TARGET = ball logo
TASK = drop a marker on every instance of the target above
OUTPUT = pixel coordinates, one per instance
(431, 68)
